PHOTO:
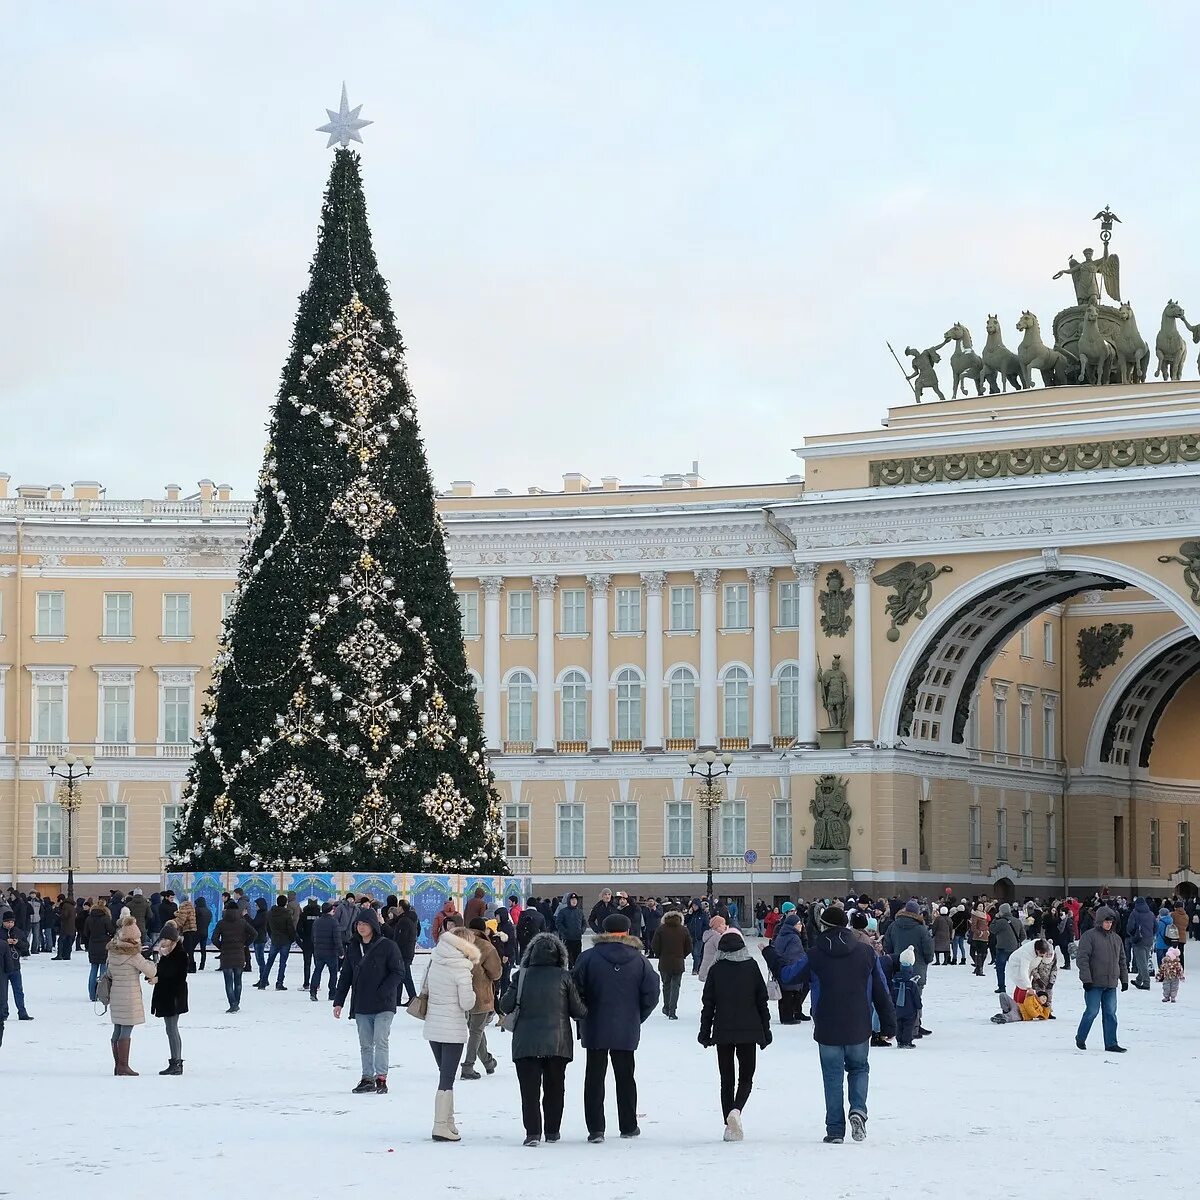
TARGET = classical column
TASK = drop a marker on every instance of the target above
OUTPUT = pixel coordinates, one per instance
(599, 585)
(707, 725)
(862, 698)
(760, 580)
(806, 653)
(653, 583)
(490, 587)
(545, 737)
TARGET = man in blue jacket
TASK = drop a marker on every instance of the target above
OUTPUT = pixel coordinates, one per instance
(846, 980)
(621, 989)
(1139, 933)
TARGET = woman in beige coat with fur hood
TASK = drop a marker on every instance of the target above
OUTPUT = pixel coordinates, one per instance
(451, 991)
(126, 966)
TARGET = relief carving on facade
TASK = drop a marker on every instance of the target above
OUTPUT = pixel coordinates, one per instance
(1100, 647)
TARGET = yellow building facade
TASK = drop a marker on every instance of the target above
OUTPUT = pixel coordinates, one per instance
(1004, 580)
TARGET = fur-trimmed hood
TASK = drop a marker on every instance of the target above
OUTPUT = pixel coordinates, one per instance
(672, 917)
(546, 950)
(618, 939)
(450, 944)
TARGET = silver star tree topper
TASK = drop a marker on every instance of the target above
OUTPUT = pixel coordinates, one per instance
(343, 125)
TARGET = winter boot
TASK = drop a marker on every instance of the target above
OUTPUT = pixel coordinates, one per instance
(365, 1084)
(123, 1067)
(469, 1073)
(381, 1085)
(733, 1125)
(443, 1118)
(174, 1067)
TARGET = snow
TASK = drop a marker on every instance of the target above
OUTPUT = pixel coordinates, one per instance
(266, 1101)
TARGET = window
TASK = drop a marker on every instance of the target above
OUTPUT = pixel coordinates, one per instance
(49, 714)
(789, 702)
(1025, 731)
(975, 833)
(625, 831)
(227, 602)
(468, 607)
(1048, 740)
(683, 608)
(1000, 732)
(1002, 835)
(516, 830)
(116, 705)
(679, 829)
(733, 827)
(1026, 836)
(520, 707)
(629, 705)
(170, 822)
(781, 826)
(1155, 843)
(118, 614)
(177, 615)
(177, 715)
(50, 621)
(629, 610)
(681, 688)
(1025, 641)
(113, 831)
(574, 610)
(789, 605)
(520, 613)
(48, 831)
(1048, 641)
(736, 703)
(1051, 839)
(1185, 845)
(737, 606)
(570, 831)
(574, 707)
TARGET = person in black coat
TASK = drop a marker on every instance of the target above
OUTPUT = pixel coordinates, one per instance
(632, 913)
(846, 980)
(327, 949)
(308, 914)
(259, 921)
(169, 999)
(372, 972)
(529, 925)
(408, 931)
(652, 917)
(13, 948)
(735, 1018)
(204, 918)
(620, 990)
(98, 931)
(570, 925)
(233, 937)
(601, 911)
(542, 1041)
(696, 922)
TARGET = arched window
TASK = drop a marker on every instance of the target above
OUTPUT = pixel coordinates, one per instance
(520, 707)
(789, 698)
(629, 705)
(681, 686)
(574, 707)
(736, 706)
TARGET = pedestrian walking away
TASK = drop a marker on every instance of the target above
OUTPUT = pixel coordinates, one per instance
(169, 999)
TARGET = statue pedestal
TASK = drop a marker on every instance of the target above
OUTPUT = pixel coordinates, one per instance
(832, 739)
(827, 864)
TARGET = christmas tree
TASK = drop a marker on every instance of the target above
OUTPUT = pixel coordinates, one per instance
(341, 729)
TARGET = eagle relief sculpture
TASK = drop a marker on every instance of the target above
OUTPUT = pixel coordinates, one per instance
(912, 585)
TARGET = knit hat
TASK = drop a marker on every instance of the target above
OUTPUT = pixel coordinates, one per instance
(1173, 952)
(616, 923)
(492, 925)
(327, 907)
(858, 920)
(834, 918)
(8, 915)
(731, 942)
(787, 907)
(943, 910)
(908, 957)
(128, 931)
(912, 907)
(169, 933)
(864, 899)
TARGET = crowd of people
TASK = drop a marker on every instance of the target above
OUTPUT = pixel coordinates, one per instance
(554, 970)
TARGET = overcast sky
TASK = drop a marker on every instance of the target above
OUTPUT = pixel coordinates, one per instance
(619, 236)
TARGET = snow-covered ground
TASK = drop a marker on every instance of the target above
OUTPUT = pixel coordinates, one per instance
(976, 1110)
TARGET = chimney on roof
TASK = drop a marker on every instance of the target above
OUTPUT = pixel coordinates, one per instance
(206, 487)
(503, 491)
(610, 483)
(794, 479)
(574, 483)
(55, 491)
(224, 491)
(4, 478)
(674, 480)
(173, 491)
(32, 491)
(462, 487)
(86, 489)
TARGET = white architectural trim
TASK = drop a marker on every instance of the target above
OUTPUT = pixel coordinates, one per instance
(562, 675)
(519, 670)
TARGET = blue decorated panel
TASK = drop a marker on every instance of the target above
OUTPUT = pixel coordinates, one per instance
(257, 885)
(488, 883)
(428, 895)
(309, 886)
(378, 887)
(210, 885)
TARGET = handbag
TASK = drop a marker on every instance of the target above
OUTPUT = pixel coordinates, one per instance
(774, 991)
(418, 1006)
(508, 1021)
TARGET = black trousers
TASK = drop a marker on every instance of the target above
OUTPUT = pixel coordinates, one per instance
(574, 949)
(745, 1054)
(791, 1002)
(543, 1091)
(593, 1090)
(307, 954)
(190, 940)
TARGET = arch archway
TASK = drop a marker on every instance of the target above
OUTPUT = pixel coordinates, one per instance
(1004, 890)
(928, 696)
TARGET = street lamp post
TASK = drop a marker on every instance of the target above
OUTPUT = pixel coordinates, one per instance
(709, 793)
(69, 797)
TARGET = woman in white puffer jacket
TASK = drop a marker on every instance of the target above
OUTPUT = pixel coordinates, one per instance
(451, 992)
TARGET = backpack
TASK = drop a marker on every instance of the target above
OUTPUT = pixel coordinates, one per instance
(104, 990)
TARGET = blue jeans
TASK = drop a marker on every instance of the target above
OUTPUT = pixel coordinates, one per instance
(1002, 957)
(373, 1031)
(35, 937)
(851, 1061)
(18, 990)
(233, 986)
(960, 948)
(98, 971)
(319, 965)
(277, 952)
(1103, 1001)
(260, 957)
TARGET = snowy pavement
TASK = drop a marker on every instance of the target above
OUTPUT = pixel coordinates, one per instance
(265, 1103)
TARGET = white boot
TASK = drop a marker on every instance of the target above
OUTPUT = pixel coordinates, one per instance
(444, 1129)
(733, 1126)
